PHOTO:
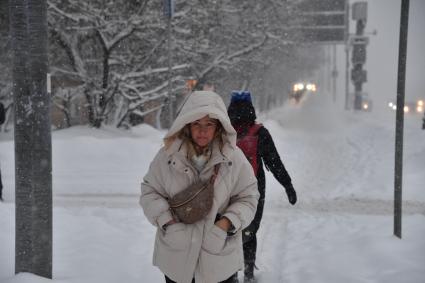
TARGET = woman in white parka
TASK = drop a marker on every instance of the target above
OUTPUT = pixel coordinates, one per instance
(210, 250)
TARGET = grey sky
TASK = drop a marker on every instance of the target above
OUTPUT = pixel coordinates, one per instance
(382, 53)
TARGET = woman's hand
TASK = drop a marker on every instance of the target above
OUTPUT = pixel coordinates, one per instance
(224, 224)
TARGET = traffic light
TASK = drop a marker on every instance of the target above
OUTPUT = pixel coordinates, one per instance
(359, 49)
(359, 42)
(359, 54)
(358, 75)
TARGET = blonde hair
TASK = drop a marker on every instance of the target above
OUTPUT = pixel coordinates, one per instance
(185, 135)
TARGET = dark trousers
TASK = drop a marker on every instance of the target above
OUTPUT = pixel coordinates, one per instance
(1, 188)
(249, 254)
(231, 279)
(249, 236)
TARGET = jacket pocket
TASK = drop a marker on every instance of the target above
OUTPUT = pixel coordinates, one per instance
(215, 240)
(175, 237)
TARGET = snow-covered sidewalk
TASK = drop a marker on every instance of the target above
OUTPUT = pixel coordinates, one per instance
(339, 231)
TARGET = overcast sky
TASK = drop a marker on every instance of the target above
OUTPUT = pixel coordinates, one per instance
(382, 53)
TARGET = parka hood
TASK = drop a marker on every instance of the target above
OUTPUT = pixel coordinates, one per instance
(198, 105)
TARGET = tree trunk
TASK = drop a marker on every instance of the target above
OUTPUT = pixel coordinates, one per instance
(33, 165)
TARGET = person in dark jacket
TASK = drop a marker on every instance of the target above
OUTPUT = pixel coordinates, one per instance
(1, 188)
(2, 119)
(242, 116)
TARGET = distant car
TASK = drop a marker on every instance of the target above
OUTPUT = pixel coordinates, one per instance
(367, 104)
(410, 107)
(300, 89)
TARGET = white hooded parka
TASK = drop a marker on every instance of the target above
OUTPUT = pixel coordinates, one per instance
(201, 250)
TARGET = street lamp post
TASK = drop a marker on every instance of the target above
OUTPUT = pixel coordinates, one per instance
(33, 147)
(398, 170)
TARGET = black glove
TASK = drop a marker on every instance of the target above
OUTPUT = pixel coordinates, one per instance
(247, 236)
(292, 195)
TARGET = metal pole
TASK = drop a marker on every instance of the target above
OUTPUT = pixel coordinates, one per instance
(347, 54)
(347, 74)
(334, 73)
(33, 147)
(401, 80)
(170, 89)
(328, 71)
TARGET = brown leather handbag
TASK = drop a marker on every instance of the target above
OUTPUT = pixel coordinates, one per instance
(195, 202)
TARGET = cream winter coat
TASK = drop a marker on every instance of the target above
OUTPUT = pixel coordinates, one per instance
(201, 250)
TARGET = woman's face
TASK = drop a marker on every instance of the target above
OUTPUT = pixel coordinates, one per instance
(203, 130)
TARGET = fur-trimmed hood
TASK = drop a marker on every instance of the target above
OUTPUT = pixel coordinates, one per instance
(198, 105)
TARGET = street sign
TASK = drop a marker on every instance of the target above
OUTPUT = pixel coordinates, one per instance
(359, 39)
(323, 21)
(322, 5)
(314, 34)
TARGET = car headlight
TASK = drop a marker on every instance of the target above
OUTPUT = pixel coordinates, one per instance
(406, 109)
(419, 109)
(298, 86)
(311, 87)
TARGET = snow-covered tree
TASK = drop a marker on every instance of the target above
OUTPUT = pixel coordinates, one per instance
(114, 54)
(239, 44)
(93, 51)
(5, 63)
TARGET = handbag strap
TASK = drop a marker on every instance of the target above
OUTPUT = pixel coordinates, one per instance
(212, 180)
(214, 175)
